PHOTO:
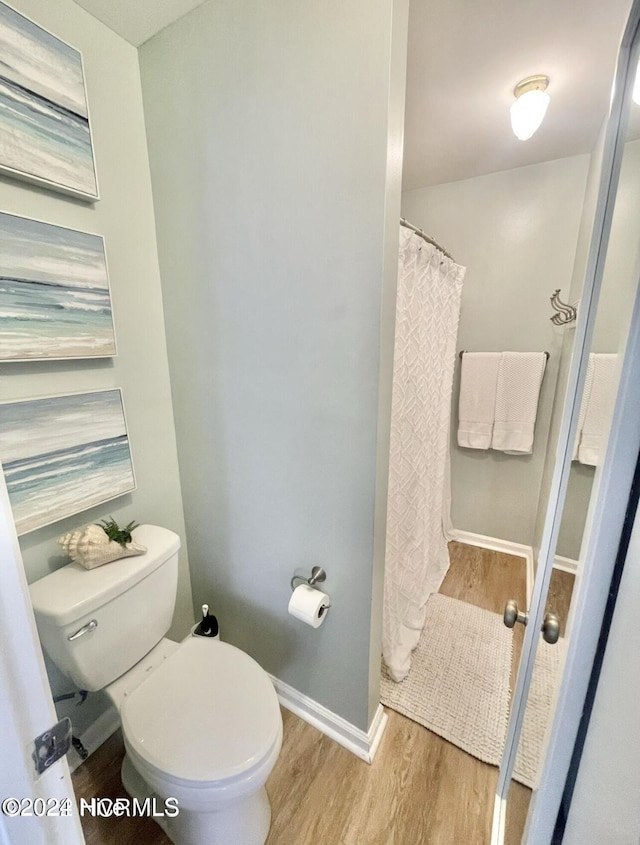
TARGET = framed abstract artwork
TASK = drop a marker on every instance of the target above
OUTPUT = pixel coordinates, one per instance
(55, 300)
(64, 454)
(45, 135)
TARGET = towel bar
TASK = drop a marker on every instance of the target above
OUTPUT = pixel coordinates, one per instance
(464, 351)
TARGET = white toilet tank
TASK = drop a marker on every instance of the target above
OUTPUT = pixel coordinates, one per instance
(96, 624)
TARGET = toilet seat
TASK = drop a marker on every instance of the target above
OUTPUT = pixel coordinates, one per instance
(219, 719)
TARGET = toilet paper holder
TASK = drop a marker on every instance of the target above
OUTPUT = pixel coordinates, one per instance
(318, 576)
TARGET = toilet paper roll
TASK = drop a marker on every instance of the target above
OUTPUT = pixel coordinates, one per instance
(308, 605)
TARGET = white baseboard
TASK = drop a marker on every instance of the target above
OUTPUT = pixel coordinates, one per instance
(495, 544)
(565, 564)
(97, 733)
(363, 744)
(499, 820)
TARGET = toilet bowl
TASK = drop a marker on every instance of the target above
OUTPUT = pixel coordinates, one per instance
(200, 719)
(211, 745)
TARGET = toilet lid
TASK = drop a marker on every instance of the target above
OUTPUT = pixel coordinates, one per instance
(209, 712)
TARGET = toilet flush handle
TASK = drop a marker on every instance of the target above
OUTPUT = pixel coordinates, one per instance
(90, 626)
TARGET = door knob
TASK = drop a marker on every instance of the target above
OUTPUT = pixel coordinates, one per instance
(550, 625)
(550, 628)
(513, 615)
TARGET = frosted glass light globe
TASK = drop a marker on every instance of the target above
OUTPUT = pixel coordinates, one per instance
(527, 113)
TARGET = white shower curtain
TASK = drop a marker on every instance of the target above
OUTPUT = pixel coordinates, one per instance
(418, 509)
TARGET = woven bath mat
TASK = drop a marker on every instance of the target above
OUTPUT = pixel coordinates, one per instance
(538, 712)
(458, 686)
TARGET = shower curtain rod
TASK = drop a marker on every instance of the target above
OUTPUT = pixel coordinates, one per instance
(426, 237)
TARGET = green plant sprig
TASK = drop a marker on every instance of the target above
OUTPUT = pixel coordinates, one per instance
(114, 532)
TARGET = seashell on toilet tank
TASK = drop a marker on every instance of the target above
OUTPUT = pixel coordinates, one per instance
(90, 547)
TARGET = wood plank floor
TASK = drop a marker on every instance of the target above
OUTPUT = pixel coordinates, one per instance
(559, 596)
(419, 789)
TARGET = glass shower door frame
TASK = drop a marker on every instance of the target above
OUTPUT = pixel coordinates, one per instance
(610, 170)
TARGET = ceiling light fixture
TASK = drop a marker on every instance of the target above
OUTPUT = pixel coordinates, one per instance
(530, 106)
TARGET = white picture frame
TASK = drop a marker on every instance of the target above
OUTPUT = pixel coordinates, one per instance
(55, 294)
(64, 454)
(45, 130)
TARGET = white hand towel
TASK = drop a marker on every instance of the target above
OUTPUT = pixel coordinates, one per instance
(586, 393)
(599, 408)
(477, 401)
(517, 393)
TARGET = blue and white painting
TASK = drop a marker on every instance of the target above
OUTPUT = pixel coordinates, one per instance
(54, 292)
(64, 454)
(44, 122)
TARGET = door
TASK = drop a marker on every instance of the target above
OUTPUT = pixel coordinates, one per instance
(611, 484)
(606, 809)
(46, 813)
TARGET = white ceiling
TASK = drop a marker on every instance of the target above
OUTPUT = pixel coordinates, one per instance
(464, 59)
(137, 20)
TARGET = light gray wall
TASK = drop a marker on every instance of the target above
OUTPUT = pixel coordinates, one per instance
(124, 215)
(610, 330)
(269, 130)
(622, 262)
(516, 232)
(572, 525)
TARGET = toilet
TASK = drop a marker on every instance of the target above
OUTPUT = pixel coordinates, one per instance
(200, 719)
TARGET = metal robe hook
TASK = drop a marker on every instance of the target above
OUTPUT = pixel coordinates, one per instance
(565, 313)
